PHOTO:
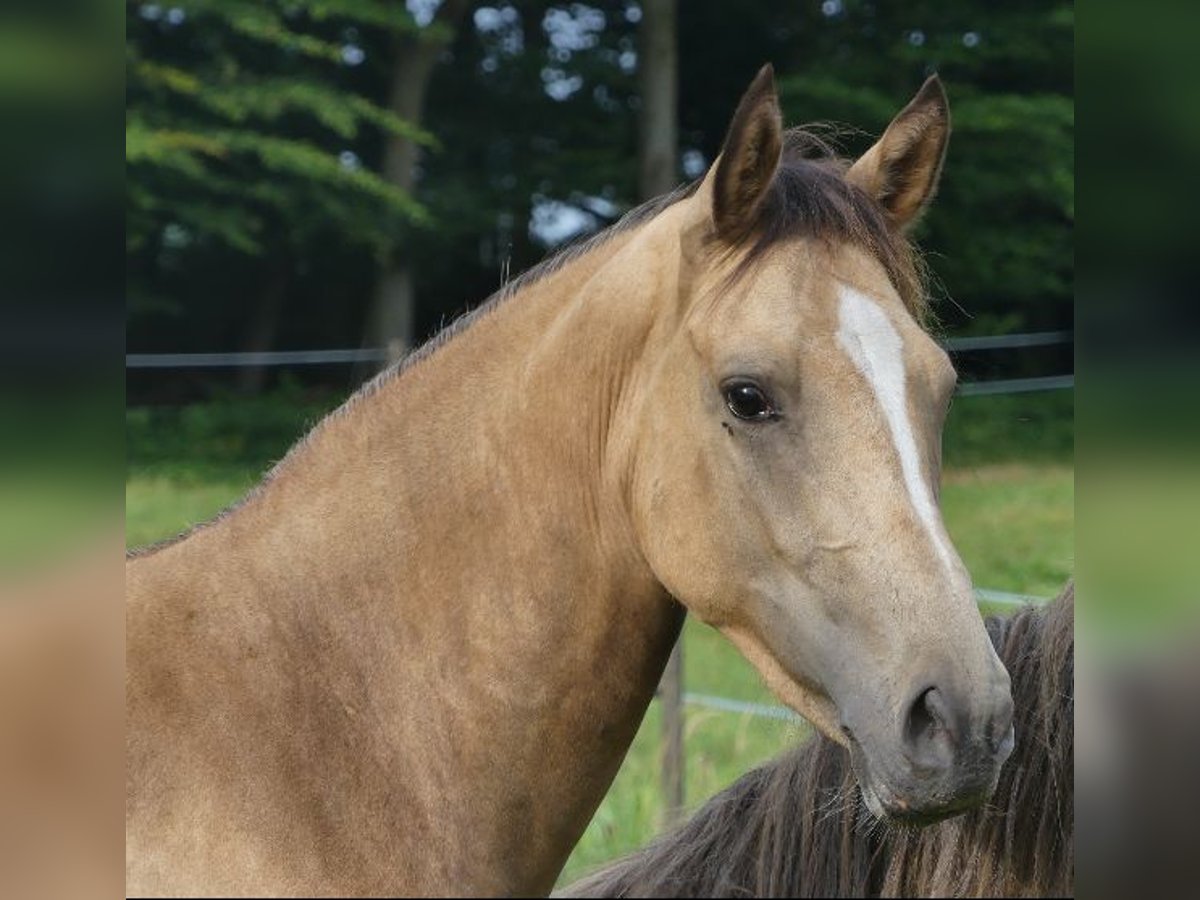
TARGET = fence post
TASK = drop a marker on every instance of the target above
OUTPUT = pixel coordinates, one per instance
(672, 721)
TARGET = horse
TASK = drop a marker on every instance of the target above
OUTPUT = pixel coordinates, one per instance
(793, 827)
(412, 659)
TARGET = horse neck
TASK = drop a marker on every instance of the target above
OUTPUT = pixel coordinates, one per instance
(464, 529)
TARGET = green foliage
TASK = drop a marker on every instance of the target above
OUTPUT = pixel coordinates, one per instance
(230, 437)
(1010, 428)
(1000, 231)
(238, 116)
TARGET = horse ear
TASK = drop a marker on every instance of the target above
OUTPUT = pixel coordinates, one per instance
(901, 171)
(748, 158)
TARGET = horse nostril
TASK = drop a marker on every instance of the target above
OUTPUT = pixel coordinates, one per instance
(921, 719)
(926, 732)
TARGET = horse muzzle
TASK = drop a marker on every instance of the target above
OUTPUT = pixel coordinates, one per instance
(940, 756)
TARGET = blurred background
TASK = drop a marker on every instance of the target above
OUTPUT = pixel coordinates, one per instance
(314, 187)
(355, 173)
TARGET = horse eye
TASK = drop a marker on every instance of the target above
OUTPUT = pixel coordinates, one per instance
(748, 401)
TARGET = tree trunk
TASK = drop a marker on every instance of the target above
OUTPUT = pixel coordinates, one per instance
(658, 79)
(394, 313)
(395, 310)
(657, 173)
(260, 336)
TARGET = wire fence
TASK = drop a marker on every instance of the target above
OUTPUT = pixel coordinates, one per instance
(361, 356)
(1008, 341)
(1017, 385)
(252, 360)
(782, 713)
(674, 700)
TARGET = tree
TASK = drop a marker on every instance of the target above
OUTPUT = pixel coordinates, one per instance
(243, 139)
(258, 142)
(658, 69)
(1000, 234)
(415, 55)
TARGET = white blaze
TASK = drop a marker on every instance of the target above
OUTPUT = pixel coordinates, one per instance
(877, 350)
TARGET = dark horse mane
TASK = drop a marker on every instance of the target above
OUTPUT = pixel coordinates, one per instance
(795, 827)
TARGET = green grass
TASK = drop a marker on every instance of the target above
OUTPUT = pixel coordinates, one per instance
(159, 506)
(1013, 523)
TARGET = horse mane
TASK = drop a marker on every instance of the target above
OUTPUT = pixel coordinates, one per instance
(796, 826)
(810, 197)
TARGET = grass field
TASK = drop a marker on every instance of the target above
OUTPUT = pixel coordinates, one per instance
(1012, 521)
